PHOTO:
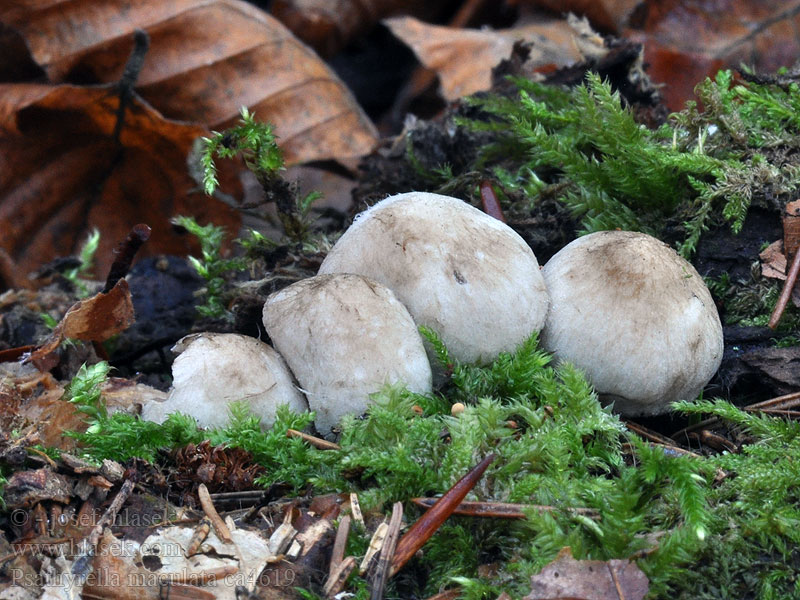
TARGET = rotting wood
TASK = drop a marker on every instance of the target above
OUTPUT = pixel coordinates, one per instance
(385, 561)
(208, 507)
(314, 441)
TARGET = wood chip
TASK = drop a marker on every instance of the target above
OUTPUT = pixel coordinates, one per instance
(338, 577)
(216, 521)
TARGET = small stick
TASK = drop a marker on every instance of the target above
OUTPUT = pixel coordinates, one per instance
(82, 565)
(338, 577)
(490, 203)
(615, 579)
(786, 292)
(382, 572)
(648, 434)
(355, 508)
(126, 251)
(199, 536)
(716, 441)
(786, 402)
(500, 510)
(314, 441)
(208, 507)
(337, 555)
(432, 519)
(375, 545)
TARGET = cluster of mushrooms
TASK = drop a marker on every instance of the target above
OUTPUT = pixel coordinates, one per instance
(623, 307)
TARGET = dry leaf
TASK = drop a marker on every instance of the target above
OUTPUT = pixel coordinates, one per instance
(328, 26)
(566, 578)
(687, 41)
(207, 58)
(62, 173)
(95, 319)
(610, 16)
(464, 58)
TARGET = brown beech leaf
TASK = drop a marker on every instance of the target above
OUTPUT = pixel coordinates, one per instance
(62, 173)
(328, 26)
(610, 16)
(566, 578)
(95, 319)
(207, 59)
(464, 58)
(686, 41)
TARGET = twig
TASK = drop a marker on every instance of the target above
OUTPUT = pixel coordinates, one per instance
(82, 565)
(337, 555)
(648, 434)
(786, 292)
(338, 577)
(208, 507)
(127, 83)
(314, 441)
(500, 510)
(786, 402)
(355, 508)
(375, 545)
(432, 519)
(199, 536)
(126, 251)
(385, 562)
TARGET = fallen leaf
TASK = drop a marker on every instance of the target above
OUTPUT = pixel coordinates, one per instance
(464, 58)
(62, 174)
(687, 41)
(567, 578)
(610, 16)
(329, 26)
(207, 58)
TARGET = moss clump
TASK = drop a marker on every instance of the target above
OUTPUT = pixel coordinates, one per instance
(584, 147)
(555, 446)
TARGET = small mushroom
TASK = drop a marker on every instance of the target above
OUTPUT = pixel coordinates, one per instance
(215, 369)
(462, 273)
(635, 317)
(345, 337)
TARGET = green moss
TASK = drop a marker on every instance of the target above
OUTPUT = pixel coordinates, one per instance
(555, 445)
(708, 165)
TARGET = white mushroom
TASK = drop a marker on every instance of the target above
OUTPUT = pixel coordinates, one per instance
(462, 273)
(215, 369)
(635, 317)
(345, 337)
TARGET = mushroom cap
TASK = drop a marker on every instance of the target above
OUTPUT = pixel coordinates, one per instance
(215, 369)
(464, 274)
(345, 337)
(635, 317)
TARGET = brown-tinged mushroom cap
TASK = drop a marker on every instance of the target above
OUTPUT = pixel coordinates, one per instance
(635, 317)
(462, 273)
(345, 337)
(215, 369)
